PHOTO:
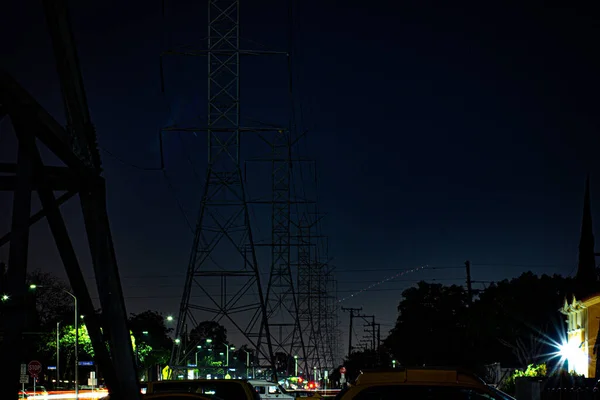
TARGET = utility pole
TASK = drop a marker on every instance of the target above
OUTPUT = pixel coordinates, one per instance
(372, 330)
(469, 287)
(378, 352)
(351, 310)
(57, 355)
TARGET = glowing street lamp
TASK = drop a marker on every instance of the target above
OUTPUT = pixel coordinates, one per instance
(227, 357)
(248, 363)
(169, 318)
(33, 286)
(295, 365)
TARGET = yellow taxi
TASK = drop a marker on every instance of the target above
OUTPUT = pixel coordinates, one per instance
(419, 383)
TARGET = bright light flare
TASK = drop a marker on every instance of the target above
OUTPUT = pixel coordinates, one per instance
(573, 352)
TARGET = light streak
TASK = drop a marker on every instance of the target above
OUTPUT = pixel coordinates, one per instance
(399, 274)
(70, 396)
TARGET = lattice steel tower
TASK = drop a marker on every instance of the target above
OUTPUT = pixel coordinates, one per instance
(281, 298)
(223, 249)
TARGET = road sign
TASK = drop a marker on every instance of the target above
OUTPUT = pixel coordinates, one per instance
(34, 367)
(86, 363)
(23, 369)
(342, 370)
(24, 378)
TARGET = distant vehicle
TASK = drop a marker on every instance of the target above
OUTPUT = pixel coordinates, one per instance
(170, 396)
(270, 390)
(420, 383)
(304, 394)
(39, 391)
(175, 396)
(225, 389)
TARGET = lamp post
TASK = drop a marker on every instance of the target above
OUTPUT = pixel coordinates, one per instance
(295, 365)
(33, 287)
(57, 355)
(247, 363)
(227, 356)
(198, 350)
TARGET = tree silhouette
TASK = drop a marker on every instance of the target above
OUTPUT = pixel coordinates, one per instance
(209, 330)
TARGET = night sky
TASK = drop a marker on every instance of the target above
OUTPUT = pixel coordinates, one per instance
(441, 133)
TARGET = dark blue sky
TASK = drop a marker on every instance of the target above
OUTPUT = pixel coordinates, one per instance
(442, 133)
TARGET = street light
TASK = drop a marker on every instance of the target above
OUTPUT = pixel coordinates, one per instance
(247, 363)
(227, 357)
(33, 287)
(295, 365)
(198, 350)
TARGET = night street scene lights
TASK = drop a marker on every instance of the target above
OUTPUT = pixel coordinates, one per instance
(227, 357)
(296, 365)
(33, 286)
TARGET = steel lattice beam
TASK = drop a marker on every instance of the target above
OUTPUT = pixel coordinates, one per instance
(76, 147)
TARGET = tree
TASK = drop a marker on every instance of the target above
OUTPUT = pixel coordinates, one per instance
(209, 330)
(52, 304)
(430, 328)
(358, 361)
(517, 314)
(512, 322)
(151, 335)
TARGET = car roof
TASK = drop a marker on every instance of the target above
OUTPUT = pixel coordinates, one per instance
(439, 375)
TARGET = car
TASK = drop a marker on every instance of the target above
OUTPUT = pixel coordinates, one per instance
(175, 396)
(210, 389)
(170, 396)
(39, 391)
(427, 383)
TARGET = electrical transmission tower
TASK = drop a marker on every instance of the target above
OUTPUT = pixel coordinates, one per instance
(281, 297)
(223, 251)
(317, 305)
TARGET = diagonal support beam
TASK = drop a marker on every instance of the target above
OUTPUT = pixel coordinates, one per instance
(14, 312)
(72, 268)
(38, 216)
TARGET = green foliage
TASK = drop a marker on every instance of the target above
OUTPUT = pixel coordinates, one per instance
(67, 342)
(532, 371)
(151, 336)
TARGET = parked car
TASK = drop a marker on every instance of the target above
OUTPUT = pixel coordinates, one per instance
(419, 383)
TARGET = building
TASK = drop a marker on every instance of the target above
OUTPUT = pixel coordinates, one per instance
(583, 311)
